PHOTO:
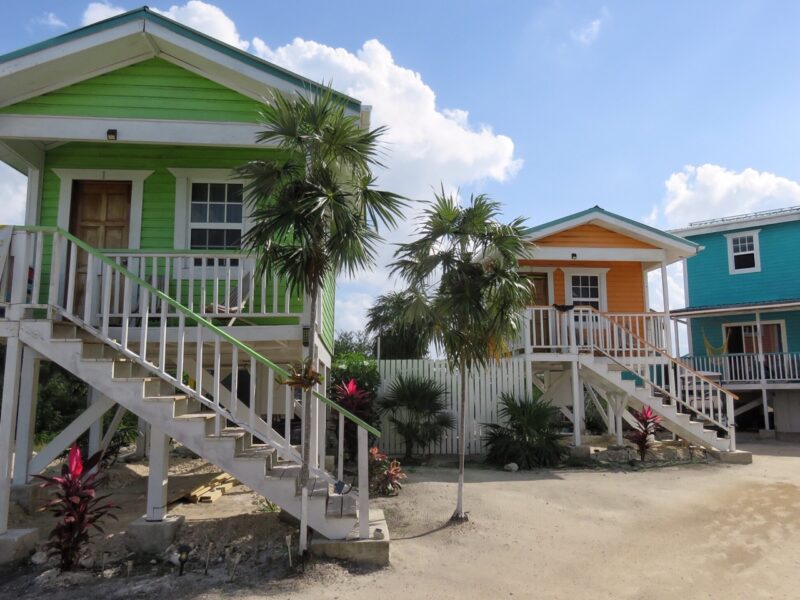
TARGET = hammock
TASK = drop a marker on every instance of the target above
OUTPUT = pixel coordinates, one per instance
(711, 350)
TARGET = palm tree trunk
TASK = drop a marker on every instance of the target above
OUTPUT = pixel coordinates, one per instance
(312, 349)
(459, 515)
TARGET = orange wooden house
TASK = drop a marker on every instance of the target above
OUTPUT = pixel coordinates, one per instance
(590, 332)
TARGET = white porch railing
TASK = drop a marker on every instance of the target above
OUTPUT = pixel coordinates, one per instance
(54, 271)
(774, 367)
(548, 329)
(213, 284)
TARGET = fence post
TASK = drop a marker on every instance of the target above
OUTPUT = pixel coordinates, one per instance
(731, 422)
(363, 485)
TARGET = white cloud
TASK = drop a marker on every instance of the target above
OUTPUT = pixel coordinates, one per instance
(51, 20)
(13, 190)
(350, 309)
(99, 11)
(709, 191)
(588, 34)
(207, 18)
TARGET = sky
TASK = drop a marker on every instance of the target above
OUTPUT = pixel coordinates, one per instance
(662, 112)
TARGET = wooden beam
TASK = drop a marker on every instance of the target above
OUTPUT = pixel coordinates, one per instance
(69, 434)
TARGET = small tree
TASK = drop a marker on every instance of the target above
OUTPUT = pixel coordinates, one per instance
(465, 289)
(77, 506)
(417, 410)
(314, 207)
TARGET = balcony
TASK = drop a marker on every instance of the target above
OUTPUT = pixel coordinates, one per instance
(770, 368)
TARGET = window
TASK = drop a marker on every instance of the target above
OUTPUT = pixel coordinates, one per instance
(743, 254)
(586, 290)
(215, 218)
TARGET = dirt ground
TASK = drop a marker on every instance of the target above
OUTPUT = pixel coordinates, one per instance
(690, 531)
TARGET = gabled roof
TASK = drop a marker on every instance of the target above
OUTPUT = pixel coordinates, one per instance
(132, 37)
(676, 246)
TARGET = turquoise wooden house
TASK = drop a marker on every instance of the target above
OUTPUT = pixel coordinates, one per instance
(743, 313)
(128, 271)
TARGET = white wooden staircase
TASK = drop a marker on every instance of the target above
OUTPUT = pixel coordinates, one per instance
(621, 355)
(173, 368)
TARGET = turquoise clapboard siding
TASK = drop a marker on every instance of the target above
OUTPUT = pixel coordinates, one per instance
(710, 283)
(713, 326)
(158, 202)
(151, 89)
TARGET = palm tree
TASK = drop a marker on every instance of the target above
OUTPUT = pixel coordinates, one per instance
(464, 283)
(314, 207)
(399, 337)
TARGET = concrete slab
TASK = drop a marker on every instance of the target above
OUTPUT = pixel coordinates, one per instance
(30, 496)
(739, 457)
(372, 551)
(153, 537)
(767, 434)
(17, 544)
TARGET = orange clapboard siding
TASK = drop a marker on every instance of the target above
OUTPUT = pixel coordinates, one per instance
(591, 236)
(624, 282)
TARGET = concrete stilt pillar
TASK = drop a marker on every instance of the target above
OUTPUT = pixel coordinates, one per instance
(159, 476)
(26, 415)
(577, 403)
(142, 438)
(8, 421)
(96, 428)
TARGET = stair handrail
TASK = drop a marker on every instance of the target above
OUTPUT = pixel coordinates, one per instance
(664, 353)
(673, 394)
(194, 316)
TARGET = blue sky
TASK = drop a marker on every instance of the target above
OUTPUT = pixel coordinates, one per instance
(664, 112)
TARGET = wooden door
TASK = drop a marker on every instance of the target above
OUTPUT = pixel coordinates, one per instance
(100, 215)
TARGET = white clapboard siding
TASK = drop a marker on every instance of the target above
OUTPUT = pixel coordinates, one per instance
(484, 387)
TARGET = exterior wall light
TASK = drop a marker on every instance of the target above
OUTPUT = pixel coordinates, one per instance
(574, 256)
(111, 135)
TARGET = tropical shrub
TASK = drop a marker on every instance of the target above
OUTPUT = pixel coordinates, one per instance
(528, 436)
(384, 474)
(76, 505)
(417, 409)
(357, 366)
(642, 436)
(357, 401)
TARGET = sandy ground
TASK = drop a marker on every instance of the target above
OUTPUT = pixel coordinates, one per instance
(693, 531)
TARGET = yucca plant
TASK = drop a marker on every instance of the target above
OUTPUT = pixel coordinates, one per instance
(77, 506)
(642, 436)
(527, 436)
(417, 409)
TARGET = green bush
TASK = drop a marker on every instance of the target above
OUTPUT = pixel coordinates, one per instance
(528, 435)
(356, 366)
(416, 408)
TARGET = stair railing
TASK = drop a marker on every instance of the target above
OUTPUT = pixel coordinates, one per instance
(658, 372)
(159, 333)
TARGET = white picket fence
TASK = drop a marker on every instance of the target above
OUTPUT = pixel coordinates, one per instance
(483, 391)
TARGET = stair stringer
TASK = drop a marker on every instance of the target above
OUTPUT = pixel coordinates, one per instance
(129, 393)
(678, 423)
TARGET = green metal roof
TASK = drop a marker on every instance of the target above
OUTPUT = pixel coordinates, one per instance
(148, 15)
(600, 211)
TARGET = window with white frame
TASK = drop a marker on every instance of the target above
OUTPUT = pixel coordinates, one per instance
(215, 217)
(743, 252)
(586, 290)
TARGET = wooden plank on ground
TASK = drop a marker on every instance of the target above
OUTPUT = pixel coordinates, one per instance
(208, 492)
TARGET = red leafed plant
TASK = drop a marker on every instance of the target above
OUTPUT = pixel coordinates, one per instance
(357, 401)
(384, 475)
(76, 505)
(646, 424)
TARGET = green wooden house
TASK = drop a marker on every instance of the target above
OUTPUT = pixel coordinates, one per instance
(128, 270)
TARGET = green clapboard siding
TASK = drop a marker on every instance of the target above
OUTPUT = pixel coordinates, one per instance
(152, 89)
(158, 202)
(328, 312)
